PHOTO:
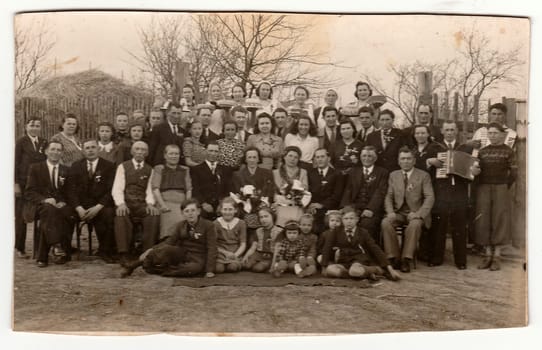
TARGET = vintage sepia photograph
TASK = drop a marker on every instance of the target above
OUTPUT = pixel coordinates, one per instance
(269, 173)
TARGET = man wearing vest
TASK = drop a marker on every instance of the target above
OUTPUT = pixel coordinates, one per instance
(132, 194)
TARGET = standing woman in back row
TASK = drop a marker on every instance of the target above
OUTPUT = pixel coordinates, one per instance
(301, 96)
(264, 94)
(70, 142)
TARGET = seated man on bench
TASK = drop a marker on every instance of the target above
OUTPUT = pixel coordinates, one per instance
(133, 197)
(46, 193)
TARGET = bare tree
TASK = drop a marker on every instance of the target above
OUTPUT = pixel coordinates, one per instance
(248, 48)
(33, 43)
(162, 42)
(482, 65)
(478, 68)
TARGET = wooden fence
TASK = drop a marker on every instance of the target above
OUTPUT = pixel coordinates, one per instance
(468, 118)
(89, 111)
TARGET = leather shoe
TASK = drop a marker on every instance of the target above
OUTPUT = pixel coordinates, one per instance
(41, 264)
(462, 266)
(22, 255)
(405, 265)
(58, 251)
(395, 263)
(485, 264)
(495, 264)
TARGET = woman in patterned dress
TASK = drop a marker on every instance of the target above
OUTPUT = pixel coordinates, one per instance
(67, 137)
(193, 149)
(230, 149)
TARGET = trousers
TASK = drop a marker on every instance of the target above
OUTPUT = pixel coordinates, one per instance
(411, 236)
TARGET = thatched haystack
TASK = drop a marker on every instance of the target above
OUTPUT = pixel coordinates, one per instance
(91, 83)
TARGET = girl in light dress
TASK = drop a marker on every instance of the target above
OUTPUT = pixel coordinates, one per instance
(231, 237)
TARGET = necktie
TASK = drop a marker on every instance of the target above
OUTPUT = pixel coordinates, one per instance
(332, 139)
(138, 166)
(175, 129)
(450, 146)
(405, 181)
(349, 235)
(385, 134)
(213, 168)
(365, 172)
(35, 144)
(53, 179)
(90, 170)
(321, 173)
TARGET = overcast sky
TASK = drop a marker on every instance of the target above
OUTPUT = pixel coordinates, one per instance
(366, 44)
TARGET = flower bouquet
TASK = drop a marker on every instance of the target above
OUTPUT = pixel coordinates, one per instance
(291, 201)
(250, 200)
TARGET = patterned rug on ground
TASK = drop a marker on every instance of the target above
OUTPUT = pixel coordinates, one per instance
(252, 279)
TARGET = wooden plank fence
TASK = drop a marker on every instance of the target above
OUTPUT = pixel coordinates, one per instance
(89, 111)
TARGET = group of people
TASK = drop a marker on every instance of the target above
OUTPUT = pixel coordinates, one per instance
(276, 189)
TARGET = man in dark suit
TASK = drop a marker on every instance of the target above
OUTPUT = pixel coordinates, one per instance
(90, 181)
(331, 130)
(46, 191)
(29, 149)
(326, 185)
(451, 203)
(239, 115)
(408, 201)
(386, 141)
(209, 182)
(204, 116)
(424, 114)
(367, 124)
(365, 190)
(167, 133)
(283, 121)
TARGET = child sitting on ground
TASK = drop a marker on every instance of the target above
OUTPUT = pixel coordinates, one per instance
(356, 247)
(231, 237)
(332, 220)
(309, 239)
(290, 252)
(259, 256)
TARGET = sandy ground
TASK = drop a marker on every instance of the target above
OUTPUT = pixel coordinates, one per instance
(86, 295)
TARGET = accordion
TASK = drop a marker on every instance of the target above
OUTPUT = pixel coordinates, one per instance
(456, 163)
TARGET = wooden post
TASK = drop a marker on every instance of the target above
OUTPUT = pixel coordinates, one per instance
(455, 108)
(425, 86)
(510, 120)
(465, 118)
(475, 112)
(436, 111)
(181, 79)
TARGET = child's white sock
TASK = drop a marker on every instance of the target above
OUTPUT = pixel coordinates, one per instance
(297, 269)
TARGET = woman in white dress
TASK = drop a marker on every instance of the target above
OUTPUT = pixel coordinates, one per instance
(264, 94)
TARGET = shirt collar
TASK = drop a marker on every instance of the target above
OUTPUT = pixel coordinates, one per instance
(370, 169)
(408, 172)
(33, 138)
(93, 162)
(324, 170)
(209, 164)
(136, 163)
(51, 165)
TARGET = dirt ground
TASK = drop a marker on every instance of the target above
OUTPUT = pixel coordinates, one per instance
(86, 295)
